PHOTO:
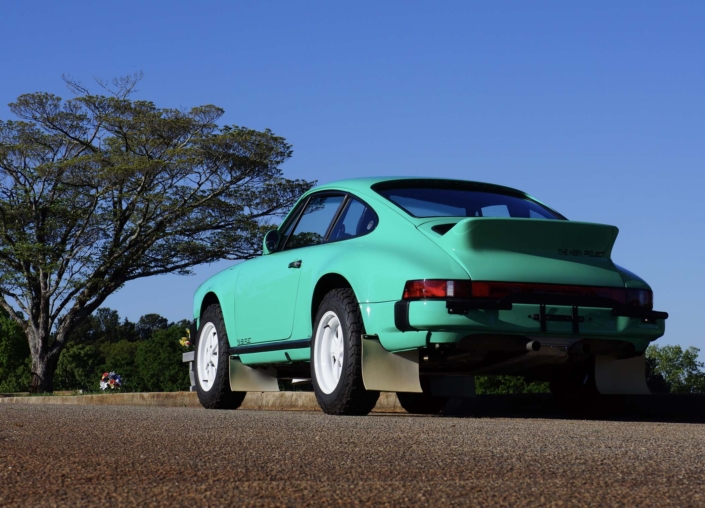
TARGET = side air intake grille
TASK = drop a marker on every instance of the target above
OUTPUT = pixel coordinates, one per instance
(442, 229)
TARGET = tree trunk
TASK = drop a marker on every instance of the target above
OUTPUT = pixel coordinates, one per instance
(44, 362)
(42, 375)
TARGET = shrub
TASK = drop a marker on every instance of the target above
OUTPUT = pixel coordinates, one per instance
(79, 368)
(15, 365)
(159, 361)
(500, 385)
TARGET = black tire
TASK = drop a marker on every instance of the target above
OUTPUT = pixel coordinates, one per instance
(349, 396)
(218, 396)
(422, 403)
(574, 389)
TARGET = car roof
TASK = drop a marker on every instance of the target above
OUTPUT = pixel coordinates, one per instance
(364, 185)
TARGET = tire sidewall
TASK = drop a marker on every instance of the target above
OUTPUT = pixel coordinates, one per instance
(208, 398)
(331, 304)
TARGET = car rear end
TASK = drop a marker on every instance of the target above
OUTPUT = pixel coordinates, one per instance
(541, 291)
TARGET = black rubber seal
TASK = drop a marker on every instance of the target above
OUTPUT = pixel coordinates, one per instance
(401, 316)
(193, 331)
(269, 347)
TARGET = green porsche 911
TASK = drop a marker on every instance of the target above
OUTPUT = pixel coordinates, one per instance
(415, 286)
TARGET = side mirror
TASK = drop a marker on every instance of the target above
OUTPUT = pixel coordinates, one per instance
(271, 241)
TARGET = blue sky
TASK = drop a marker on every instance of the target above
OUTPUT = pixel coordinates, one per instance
(597, 110)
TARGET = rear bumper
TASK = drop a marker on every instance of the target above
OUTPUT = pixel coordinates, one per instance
(462, 306)
(576, 318)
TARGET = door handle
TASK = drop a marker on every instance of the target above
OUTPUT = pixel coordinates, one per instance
(295, 264)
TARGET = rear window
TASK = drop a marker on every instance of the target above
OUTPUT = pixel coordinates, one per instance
(459, 202)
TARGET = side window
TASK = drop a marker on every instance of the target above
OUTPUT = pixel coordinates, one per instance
(356, 220)
(292, 222)
(313, 224)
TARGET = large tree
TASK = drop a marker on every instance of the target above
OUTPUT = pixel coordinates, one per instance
(99, 190)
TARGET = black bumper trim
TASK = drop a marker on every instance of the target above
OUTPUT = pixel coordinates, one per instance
(462, 306)
(268, 347)
(635, 312)
(401, 316)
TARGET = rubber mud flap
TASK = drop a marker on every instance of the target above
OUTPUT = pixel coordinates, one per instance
(621, 377)
(389, 372)
(244, 378)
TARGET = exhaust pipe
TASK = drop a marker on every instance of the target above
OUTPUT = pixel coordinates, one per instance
(533, 345)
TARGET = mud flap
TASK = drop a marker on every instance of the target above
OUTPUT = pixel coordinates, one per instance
(248, 379)
(621, 377)
(389, 372)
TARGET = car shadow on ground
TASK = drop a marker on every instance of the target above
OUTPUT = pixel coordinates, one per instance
(667, 408)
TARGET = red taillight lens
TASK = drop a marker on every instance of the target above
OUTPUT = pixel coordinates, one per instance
(496, 290)
(435, 288)
(640, 298)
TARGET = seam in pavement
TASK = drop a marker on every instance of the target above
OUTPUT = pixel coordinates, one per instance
(272, 401)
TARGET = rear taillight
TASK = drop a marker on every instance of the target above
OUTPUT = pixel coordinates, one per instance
(435, 288)
(640, 298)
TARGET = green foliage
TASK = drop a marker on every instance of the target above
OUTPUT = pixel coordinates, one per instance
(146, 363)
(675, 370)
(149, 323)
(79, 367)
(501, 385)
(104, 326)
(14, 356)
(120, 358)
(159, 361)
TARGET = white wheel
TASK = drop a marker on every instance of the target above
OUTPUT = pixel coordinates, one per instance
(329, 352)
(336, 356)
(207, 364)
(212, 363)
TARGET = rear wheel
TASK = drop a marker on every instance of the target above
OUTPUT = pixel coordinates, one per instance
(336, 356)
(212, 363)
(422, 403)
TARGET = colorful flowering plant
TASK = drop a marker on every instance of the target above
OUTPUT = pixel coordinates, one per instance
(110, 379)
(186, 341)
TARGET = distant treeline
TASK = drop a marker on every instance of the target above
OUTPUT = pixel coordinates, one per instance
(147, 355)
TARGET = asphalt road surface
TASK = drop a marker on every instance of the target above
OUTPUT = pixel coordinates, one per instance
(130, 456)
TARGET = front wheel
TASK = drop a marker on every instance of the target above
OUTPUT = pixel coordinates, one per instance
(212, 363)
(336, 356)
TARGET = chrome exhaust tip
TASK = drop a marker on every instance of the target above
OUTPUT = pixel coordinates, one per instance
(533, 345)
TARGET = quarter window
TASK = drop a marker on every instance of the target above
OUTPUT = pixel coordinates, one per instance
(313, 225)
(356, 219)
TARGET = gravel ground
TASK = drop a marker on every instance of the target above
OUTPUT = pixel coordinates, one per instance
(128, 456)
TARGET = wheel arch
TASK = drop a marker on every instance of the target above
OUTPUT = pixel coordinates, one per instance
(209, 298)
(326, 283)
